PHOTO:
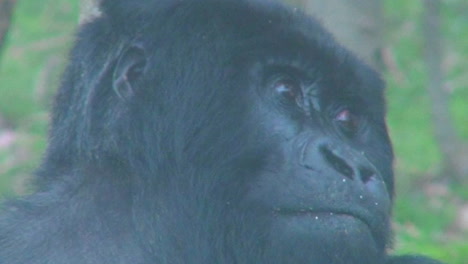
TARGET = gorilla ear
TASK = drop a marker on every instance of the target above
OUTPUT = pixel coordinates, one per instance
(130, 66)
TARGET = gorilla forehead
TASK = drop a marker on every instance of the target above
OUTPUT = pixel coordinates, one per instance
(232, 43)
(241, 22)
(238, 34)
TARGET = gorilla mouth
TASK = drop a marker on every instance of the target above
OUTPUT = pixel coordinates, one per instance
(323, 213)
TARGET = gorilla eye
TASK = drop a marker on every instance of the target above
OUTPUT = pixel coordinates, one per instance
(288, 88)
(348, 121)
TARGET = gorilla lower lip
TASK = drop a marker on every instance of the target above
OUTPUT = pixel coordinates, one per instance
(320, 214)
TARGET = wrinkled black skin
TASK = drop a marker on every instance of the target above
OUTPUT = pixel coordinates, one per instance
(171, 142)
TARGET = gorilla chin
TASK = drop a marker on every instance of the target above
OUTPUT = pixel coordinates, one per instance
(302, 231)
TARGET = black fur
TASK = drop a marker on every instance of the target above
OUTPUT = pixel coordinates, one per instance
(209, 132)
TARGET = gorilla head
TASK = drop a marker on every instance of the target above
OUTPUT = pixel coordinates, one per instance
(209, 131)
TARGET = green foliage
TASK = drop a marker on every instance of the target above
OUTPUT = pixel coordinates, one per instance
(31, 63)
(425, 218)
(40, 30)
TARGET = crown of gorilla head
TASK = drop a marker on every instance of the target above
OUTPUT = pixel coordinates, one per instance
(209, 131)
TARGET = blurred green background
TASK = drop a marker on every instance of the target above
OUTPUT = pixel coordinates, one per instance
(431, 214)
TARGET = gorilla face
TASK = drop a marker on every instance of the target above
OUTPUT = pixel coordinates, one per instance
(210, 131)
(279, 131)
(320, 176)
(321, 186)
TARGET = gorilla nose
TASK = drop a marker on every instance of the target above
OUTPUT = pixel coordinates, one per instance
(339, 159)
(351, 164)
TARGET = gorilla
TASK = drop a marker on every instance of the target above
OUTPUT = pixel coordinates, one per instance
(209, 132)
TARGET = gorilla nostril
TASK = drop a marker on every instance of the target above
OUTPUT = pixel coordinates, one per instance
(337, 162)
(366, 174)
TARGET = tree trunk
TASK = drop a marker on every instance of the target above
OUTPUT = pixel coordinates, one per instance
(6, 11)
(446, 136)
